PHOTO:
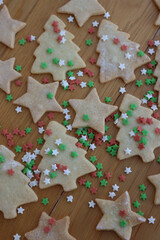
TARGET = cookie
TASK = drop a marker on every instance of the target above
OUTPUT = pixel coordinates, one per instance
(91, 112)
(155, 180)
(57, 53)
(139, 132)
(82, 9)
(157, 74)
(7, 74)
(62, 161)
(118, 216)
(39, 98)
(157, 2)
(49, 229)
(13, 184)
(9, 27)
(119, 57)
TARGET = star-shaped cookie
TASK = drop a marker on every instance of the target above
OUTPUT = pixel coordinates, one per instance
(118, 216)
(50, 230)
(39, 98)
(82, 9)
(9, 27)
(157, 2)
(7, 74)
(155, 180)
(157, 74)
(91, 112)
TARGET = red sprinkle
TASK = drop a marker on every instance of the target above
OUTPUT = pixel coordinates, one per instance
(92, 60)
(116, 41)
(122, 178)
(93, 190)
(47, 229)
(141, 146)
(157, 130)
(122, 213)
(150, 43)
(48, 132)
(28, 38)
(82, 181)
(156, 115)
(59, 39)
(18, 83)
(91, 30)
(15, 131)
(10, 172)
(45, 80)
(124, 47)
(51, 221)
(93, 174)
(50, 115)
(4, 132)
(149, 121)
(40, 123)
(107, 175)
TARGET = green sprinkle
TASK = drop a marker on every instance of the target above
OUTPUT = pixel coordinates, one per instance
(145, 132)
(116, 116)
(125, 121)
(142, 187)
(78, 132)
(45, 201)
(99, 174)
(149, 72)
(140, 54)
(107, 99)
(106, 128)
(50, 95)
(87, 184)
(28, 130)
(93, 159)
(103, 182)
(133, 106)
(99, 166)
(140, 213)
(123, 223)
(143, 140)
(55, 60)
(91, 135)
(136, 204)
(9, 97)
(40, 141)
(158, 160)
(65, 123)
(70, 74)
(89, 42)
(86, 117)
(22, 41)
(18, 68)
(1, 158)
(129, 113)
(62, 147)
(44, 65)
(18, 148)
(74, 154)
(143, 196)
(70, 63)
(52, 175)
(90, 84)
(154, 63)
(49, 50)
(65, 104)
(139, 83)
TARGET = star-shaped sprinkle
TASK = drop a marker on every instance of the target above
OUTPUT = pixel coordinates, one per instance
(20, 210)
(45, 201)
(107, 15)
(111, 219)
(91, 204)
(17, 236)
(87, 106)
(70, 19)
(128, 170)
(9, 27)
(127, 151)
(143, 71)
(18, 109)
(122, 90)
(115, 187)
(78, 9)
(104, 38)
(111, 195)
(35, 99)
(95, 23)
(151, 220)
(122, 66)
(7, 74)
(70, 198)
(1, 2)
(128, 55)
(151, 51)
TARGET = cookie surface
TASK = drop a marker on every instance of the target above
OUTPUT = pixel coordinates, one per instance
(118, 55)
(155, 180)
(82, 9)
(64, 161)
(56, 53)
(157, 74)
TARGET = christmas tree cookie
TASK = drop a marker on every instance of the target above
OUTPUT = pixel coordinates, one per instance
(91, 112)
(50, 229)
(63, 162)
(9, 27)
(155, 180)
(82, 9)
(119, 56)
(157, 2)
(14, 187)
(56, 53)
(139, 132)
(118, 216)
(157, 74)
(39, 98)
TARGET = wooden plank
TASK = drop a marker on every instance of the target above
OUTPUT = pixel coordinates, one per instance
(135, 18)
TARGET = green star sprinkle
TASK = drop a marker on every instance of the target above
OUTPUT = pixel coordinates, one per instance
(89, 42)
(99, 174)
(158, 160)
(70, 63)
(44, 65)
(99, 166)
(90, 84)
(70, 74)
(107, 99)
(106, 128)
(50, 152)
(136, 204)
(133, 106)
(55, 60)
(49, 50)
(86, 144)
(91, 135)
(18, 148)
(142, 187)
(148, 81)
(52, 175)
(65, 104)
(140, 213)
(139, 83)
(123, 223)
(22, 41)
(1, 158)
(65, 123)
(149, 72)
(103, 182)
(87, 184)
(62, 147)
(45, 201)
(50, 95)
(116, 116)
(18, 68)
(9, 97)
(74, 154)
(125, 121)
(78, 132)
(40, 141)
(143, 196)
(154, 63)
(28, 130)
(140, 54)
(86, 117)
(93, 159)
(145, 132)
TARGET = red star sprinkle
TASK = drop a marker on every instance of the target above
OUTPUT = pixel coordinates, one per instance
(122, 178)
(116, 41)
(35, 167)
(10, 143)
(139, 128)
(24, 148)
(82, 181)
(79, 145)
(4, 132)
(71, 82)
(18, 83)
(122, 213)
(71, 88)
(124, 47)
(55, 24)
(157, 130)
(78, 82)
(93, 190)
(98, 142)
(107, 175)
(37, 176)
(92, 60)
(51, 221)
(15, 131)
(28, 38)
(137, 138)
(62, 167)
(40, 123)
(47, 229)
(59, 39)
(45, 80)
(112, 141)
(58, 165)
(141, 146)
(22, 133)
(30, 145)
(50, 115)
(149, 121)
(48, 132)
(150, 43)
(155, 94)
(9, 136)
(141, 120)
(150, 103)
(156, 115)
(93, 174)
(150, 66)
(91, 30)
(56, 30)
(10, 172)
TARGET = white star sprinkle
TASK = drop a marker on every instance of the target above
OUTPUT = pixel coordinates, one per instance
(151, 220)
(63, 40)
(127, 151)
(58, 142)
(143, 71)
(151, 51)
(95, 24)
(65, 111)
(46, 172)
(61, 63)
(64, 83)
(104, 38)
(69, 198)
(124, 116)
(80, 74)
(18, 109)
(104, 138)
(122, 66)
(1, 2)
(122, 90)
(111, 194)
(47, 181)
(20, 210)
(54, 167)
(128, 55)
(92, 146)
(156, 43)
(83, 84)
(149, 96)
(41, 130)
(67, 172)
(91, 204)
(144, 100)
(115, 187)
(36, 151)
(33, 38)
(128, 170)
(67, 117)
(69, 127)
(62, 33)
(154, 107)
(17, 236)
(70, 19)
(55, 152)
(131, 133)
(107, 15)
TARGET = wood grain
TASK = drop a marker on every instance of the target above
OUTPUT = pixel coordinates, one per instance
(135, 17)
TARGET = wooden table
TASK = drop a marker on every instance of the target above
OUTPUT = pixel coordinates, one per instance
(135, 17)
